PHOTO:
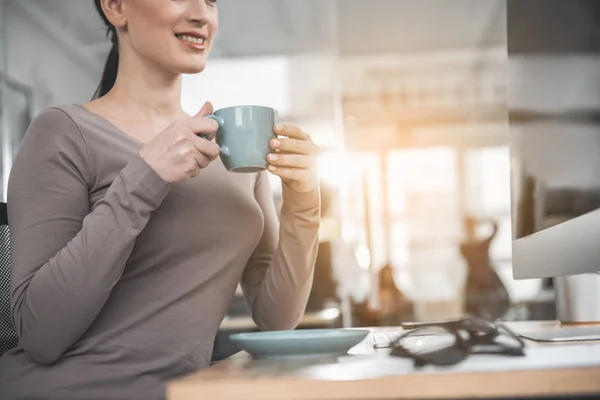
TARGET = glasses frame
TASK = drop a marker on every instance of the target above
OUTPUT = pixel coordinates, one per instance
(471, 335)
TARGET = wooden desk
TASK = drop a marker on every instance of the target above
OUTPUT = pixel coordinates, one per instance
(547, 370)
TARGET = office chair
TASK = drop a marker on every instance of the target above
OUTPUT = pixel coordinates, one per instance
(8, 335)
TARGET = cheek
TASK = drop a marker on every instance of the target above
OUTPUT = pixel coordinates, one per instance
(152, 34)
(146, 39)
(154, 19)
(214, 26)
(215, 22)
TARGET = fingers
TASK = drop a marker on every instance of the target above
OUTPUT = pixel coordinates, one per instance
(204, 126)
(206, 109)
(206, 148)
(193, 169)
(290, 160)
(202, 161)
(294, 158)
(198, 154)
(294, 145)
(291, 131)
(289, 173)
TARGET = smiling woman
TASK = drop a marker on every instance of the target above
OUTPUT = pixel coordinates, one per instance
(122, 274)
(193, 39)
(157, 24)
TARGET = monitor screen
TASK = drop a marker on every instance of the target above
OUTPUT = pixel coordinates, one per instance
(554, 111)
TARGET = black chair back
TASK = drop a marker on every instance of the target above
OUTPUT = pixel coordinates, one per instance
(8, 335)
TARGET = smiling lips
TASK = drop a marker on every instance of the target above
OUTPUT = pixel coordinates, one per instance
(194, 41)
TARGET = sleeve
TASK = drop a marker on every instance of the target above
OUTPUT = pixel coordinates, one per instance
(278, 277)
(65, 259)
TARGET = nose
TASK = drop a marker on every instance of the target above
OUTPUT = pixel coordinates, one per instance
(198, 13)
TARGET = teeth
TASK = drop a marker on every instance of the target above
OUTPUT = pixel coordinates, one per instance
(191, 39)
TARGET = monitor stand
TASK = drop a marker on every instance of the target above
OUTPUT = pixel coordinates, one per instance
(577, 310)
(565, 334)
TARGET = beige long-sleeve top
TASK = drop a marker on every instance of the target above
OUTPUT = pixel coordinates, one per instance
(119, 279)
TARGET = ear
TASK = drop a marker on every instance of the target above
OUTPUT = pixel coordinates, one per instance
(115, 12)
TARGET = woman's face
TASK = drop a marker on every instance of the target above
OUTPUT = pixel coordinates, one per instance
(175, 34)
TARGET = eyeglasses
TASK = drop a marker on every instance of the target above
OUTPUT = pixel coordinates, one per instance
(448, 343)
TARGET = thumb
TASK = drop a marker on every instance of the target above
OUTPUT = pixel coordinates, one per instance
(206, 109)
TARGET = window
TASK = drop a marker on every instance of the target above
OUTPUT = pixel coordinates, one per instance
(488, 193)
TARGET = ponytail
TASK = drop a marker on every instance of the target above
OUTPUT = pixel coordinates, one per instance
(109, 76)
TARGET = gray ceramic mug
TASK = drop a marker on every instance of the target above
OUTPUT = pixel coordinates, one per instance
(244, 134)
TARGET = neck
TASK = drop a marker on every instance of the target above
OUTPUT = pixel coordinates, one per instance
(145, 89)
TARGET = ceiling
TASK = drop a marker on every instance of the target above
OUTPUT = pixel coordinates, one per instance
(417, 26)
(357, 26)
(350, 27)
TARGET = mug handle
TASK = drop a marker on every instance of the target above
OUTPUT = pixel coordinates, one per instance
(224, 150)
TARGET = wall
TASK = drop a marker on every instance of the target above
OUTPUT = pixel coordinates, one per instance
(34, 59)
(228, 82)
(437, 98)
(300, 87)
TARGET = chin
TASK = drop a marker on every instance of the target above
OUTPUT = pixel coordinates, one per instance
(192, 68)
(193, 64)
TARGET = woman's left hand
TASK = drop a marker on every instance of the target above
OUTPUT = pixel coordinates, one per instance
(294, 159)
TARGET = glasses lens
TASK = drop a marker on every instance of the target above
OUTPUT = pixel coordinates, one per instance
(504, 342)
(427, 340)
(479, 326)
(511, 342)
(432, 345)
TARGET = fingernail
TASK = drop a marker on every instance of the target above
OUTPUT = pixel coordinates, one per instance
(272, 168)
(276, 143)
(278, 128)
(273, 157)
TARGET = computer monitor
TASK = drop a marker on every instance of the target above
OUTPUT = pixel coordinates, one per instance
(554, 124)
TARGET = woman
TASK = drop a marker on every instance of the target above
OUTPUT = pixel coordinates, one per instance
(486, 295)
(129, 237)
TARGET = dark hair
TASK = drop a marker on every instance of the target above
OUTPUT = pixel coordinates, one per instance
(109, 76)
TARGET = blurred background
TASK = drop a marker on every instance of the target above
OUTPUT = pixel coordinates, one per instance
(408, 101)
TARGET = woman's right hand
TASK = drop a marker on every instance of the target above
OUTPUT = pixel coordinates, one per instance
(177, 153)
